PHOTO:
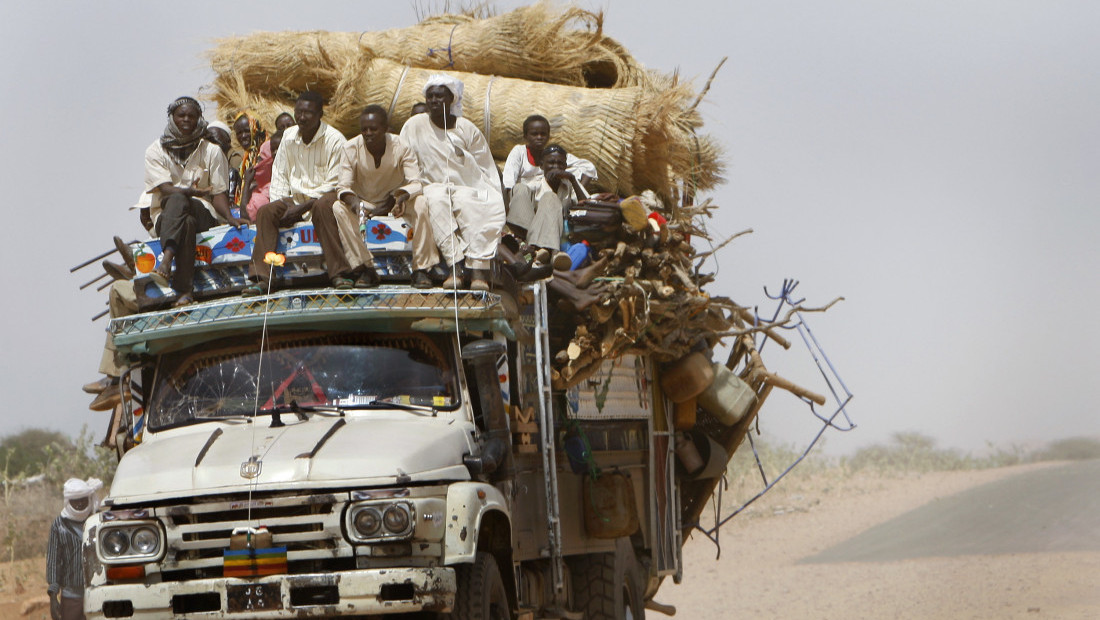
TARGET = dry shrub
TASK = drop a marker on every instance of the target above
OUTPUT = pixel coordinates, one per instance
(1071, 449)
(25, 518)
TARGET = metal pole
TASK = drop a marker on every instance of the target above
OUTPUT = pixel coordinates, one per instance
(100, 257)
(91, 282)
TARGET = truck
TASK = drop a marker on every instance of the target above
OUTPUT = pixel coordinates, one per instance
(375, 452)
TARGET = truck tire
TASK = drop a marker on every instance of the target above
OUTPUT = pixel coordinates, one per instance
(481, 594)
(607, 586)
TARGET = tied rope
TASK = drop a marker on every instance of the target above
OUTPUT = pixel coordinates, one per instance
(397, 92)
(256, 401)
(489, 111)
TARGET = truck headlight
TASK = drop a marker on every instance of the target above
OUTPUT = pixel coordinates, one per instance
(396, 519)
(367, 521)
(130, 541)
(380, 520)
(145, 541)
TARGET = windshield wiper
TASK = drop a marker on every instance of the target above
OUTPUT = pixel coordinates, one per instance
(379, 403)
(300, 411)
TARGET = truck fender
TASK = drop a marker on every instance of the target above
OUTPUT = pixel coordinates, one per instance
(467, 505)
(94, 572)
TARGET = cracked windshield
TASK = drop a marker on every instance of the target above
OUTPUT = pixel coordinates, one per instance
(356, 370)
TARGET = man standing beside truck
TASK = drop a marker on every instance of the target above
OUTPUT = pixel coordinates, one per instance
(64, 565)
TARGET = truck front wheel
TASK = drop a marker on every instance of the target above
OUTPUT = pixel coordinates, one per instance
(481, 594)
(607, 586)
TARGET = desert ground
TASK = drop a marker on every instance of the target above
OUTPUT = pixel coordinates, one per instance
(951, 545)
(1011, 542)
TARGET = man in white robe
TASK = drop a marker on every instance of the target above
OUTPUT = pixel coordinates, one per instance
(460, 180)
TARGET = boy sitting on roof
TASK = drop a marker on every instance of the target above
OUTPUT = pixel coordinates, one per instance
(187, 177)
(379, 174)
(524, 162)
(538, 207)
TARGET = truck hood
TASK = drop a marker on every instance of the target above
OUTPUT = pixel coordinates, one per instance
(321, 452)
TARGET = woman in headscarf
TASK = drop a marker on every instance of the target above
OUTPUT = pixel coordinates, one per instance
(64, 565)
(255, 166)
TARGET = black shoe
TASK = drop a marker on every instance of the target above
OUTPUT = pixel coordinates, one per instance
(456, 277)
(537, 272)
(420, 279)
(368, 278)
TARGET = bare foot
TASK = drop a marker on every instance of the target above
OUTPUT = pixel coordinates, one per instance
(163, 273)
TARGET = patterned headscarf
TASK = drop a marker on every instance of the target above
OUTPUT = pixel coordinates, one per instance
(252, 153)
(179, 146)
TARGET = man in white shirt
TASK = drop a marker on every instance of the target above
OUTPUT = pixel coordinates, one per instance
(187, 178)
(461, 182)
(379, 174)
(303, 179)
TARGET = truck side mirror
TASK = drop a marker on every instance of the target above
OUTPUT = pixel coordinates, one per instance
(481, 357)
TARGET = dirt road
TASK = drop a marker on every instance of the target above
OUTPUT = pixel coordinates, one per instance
(1021, 542)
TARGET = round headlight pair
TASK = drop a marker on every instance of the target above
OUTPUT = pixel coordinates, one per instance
(370, 521)
(118, 542)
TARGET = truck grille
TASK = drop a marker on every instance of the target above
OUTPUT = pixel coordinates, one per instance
(309, 526)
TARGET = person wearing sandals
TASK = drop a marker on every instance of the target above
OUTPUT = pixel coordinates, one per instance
(378, 176)
(461, 183)
(524, 162)
(187, 178)
(538, 205)
(303, 186)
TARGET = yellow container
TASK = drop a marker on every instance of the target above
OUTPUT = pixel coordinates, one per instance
(687, 378)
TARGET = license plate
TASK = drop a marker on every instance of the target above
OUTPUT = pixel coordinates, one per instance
(253, 597)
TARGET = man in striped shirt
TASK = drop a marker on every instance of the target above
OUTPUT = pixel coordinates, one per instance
(64, 568)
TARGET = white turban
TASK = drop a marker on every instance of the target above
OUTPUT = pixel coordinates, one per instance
(75, 488)
(219, 125)
(453, 84)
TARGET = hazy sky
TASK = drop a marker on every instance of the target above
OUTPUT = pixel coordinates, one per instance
(935, 163)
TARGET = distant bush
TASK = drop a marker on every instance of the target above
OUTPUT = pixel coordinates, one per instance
(1072, 449)
(909, 451)
(27, 453)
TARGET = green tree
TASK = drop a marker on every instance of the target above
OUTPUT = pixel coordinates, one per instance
(28, 452)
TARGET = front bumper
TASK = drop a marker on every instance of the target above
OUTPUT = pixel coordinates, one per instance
(358, 592)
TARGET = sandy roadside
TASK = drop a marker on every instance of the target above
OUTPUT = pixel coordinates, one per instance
(758, 576)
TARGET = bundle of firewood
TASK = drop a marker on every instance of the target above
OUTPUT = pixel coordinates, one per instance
(649, 296)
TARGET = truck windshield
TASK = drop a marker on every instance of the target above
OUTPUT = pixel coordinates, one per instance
(328, 369)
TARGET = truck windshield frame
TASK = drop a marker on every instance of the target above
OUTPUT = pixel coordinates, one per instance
(322, 369)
